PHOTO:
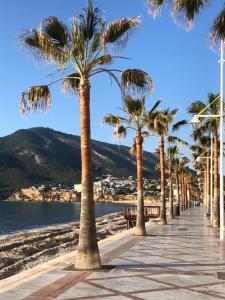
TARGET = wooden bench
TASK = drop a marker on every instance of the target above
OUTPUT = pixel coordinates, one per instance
(130, 214)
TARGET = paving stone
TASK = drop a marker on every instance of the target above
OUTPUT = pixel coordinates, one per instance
(173, 265)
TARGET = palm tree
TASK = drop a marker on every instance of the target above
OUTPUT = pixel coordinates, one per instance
(81, 51)
(184, 174)
(207, 126)
(176, 166)
(160, 125)
(197, 151)
(134, 118)
(202, 148)
(171, 154)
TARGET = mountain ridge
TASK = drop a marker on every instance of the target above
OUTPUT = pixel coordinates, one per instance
(45, 156)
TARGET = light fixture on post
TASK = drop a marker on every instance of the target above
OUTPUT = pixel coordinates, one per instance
(195, 120)
(221, 141)
(211, 179)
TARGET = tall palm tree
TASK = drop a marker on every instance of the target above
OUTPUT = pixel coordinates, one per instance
(209, 125)
(184, 174)
(134, 118)
(160, 125)
(81, 51)
(202, 148)
(176, 166)
(171, 154)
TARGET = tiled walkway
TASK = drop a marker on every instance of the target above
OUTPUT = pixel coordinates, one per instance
(177, 261)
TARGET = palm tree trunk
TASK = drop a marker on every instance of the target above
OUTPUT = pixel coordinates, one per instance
(190, 195)
(208, 184)
(181, 194)
(178, 189)
(187, 198)
(140, 224)
(87, 256)
(170, 192)
(185, 194)
(216, 211)
(205, 188)
(162, 173)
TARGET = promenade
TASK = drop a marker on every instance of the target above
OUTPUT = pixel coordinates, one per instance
(182, 260)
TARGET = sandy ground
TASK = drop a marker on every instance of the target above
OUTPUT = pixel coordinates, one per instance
(24, 250)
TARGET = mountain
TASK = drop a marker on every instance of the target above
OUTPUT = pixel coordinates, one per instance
(45, 156)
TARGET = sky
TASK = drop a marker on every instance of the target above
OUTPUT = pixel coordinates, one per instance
(180, 63)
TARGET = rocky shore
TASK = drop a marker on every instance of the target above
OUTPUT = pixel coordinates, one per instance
(24, 250)
(33, 194)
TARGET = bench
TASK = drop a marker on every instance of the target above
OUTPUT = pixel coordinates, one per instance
(130, 214)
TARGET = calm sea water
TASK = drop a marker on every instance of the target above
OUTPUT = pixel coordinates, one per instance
(16, 216)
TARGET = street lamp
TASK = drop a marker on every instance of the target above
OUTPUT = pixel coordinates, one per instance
(196, 119)
(221, 141)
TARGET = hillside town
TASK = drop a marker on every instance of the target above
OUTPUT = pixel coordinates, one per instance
(106, 189)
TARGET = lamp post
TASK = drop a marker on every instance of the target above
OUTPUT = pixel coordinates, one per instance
(211, 180)
(221, 142)
(196, 119)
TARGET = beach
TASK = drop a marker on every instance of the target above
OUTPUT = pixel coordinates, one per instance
(26, 249)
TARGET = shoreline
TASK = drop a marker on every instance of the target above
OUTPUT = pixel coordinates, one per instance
(23, 250)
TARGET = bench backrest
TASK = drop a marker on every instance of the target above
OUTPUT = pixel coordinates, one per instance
(130, 211)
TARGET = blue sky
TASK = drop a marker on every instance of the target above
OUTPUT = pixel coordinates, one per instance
(181, 64)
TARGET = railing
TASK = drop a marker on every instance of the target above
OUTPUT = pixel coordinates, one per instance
(130, 214)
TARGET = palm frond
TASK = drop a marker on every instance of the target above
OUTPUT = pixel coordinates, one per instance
(133, 147)
(196, 107)
(172, 112)
(155, 6)
(118, 32)
(111, 74)
(134, 107)
(155, 106)
(36, 98)
(205, 141)
(30, 41)
(136, 82)
(105, 59)
(90, 21)
(119, 132)
(199, 132)
(187, 10)
(111, 120)
(174, 139)
(218, 28)
(214, 101)
(177, 125)
(71, 83)
(42, 46)
(56, 30)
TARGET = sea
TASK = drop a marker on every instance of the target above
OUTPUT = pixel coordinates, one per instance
(20, 216)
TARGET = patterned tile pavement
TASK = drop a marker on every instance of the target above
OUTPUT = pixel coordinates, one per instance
(178, 261)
